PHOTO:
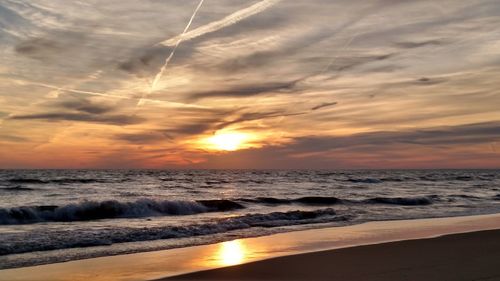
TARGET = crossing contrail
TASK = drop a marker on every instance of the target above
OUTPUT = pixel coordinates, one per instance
(225, 22)
(172, 53)
(211, 27)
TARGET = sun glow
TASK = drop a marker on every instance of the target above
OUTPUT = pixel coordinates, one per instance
(229, 141)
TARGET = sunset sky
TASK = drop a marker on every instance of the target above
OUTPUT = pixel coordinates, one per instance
(249, 84)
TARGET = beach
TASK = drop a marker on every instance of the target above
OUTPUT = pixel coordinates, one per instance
(453, 248)
(469, 256)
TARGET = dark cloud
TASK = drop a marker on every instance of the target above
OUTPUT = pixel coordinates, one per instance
(453, 135)
(418, 44)
(38, 47)
(254, 116)
(55, 45)
(116, 119)
(146, 62)
(247, 90)
(86, 106)
(195, 127)
(143, 138)
(323, 105)
(192, 129)
(425, 81)
(350, 62)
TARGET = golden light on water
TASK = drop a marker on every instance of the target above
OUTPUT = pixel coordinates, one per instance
(231, 253)
(228, 141)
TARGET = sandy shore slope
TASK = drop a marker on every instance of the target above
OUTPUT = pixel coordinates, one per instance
(470, 256)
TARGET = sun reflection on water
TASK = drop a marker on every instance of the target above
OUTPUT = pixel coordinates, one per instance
(231, 253)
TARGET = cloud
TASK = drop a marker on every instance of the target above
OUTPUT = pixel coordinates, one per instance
(425, 81)
(255, 116)
(116, 119)
(191, 128)
(143, 138)
(389, 64)
(146, 63)
(162, 70)
(38, 48)
(323, 105)
(54, 46)
(86, 106)
(418, 44)
(247, 90)
(220, 24)
(11, 138)
(448, 135)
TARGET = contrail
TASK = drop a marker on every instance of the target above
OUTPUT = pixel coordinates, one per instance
(346, 46)
(225, 22)
(211, 27)
(158, 102)
(167, 60)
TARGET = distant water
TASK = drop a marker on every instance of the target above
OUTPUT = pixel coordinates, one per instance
(56, 215)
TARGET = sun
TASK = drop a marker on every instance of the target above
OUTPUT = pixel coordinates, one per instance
(228, 141)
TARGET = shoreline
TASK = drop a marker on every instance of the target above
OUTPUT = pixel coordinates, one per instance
(160, 264)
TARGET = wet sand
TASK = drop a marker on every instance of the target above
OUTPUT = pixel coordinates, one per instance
(469, 256)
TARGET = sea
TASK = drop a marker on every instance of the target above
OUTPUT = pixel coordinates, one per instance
(49, 216)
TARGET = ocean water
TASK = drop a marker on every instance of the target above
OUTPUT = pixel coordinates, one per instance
(57, 215)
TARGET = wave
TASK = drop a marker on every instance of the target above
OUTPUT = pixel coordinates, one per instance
(121, 235)
(430, 177)
(27, 180)
(309, 200)
(16, 188)
(367, 180)
(438, 178)
(93, 210)
(464, 196)
(319, 200)
(405, 201)
(56, 181)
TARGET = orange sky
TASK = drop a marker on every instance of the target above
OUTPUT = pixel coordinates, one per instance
(249, 84)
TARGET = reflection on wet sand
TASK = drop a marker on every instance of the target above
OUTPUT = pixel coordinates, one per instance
(231, 253)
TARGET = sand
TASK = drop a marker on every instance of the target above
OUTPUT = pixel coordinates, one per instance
(469, 256)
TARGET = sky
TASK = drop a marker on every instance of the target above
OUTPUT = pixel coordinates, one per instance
(318, 84)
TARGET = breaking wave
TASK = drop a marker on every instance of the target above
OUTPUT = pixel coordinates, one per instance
(93, 210)
(121, 235)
